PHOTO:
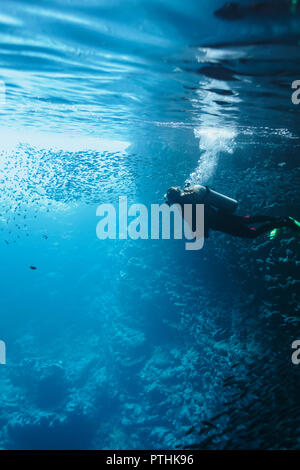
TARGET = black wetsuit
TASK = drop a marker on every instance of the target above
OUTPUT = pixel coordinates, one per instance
(237, 225)
(240, 226)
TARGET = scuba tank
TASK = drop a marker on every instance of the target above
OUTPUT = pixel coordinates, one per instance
(209, 196)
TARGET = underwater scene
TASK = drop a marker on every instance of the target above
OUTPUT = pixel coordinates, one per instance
(126, 340)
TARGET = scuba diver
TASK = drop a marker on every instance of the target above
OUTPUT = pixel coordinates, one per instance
(218, 213)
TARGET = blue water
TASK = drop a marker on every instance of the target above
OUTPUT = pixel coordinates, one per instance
(140, 344)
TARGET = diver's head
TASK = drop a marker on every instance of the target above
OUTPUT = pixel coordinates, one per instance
(173, 195)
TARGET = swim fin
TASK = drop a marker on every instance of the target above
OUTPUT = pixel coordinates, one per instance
(295, 221)
(294, 224)
(274, 233)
